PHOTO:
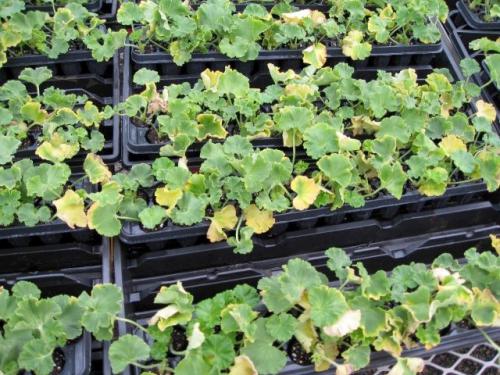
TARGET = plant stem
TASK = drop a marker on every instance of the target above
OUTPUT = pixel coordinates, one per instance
(490, 341)
(486, 84)
(237, 234)
(127, 218)
(293, 147)
(132, 323)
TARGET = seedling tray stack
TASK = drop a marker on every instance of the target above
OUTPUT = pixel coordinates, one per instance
(474, 18)
(462, 34)
(137, 148)
(139, 292)
(61, 268)
(98, 81)
(106, 9)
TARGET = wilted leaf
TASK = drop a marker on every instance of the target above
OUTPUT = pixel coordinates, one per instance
(70, 209)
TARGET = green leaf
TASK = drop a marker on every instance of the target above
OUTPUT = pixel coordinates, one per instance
(266, 358)
(418, 303)
(30, 215)
(152, 217)
(281, 326)
(338, 262)
(337, 168)
(320, 139)
(290, 118)
(393, 178)
(36, 355)
(357, 356)
(493, 64)
(100, 310)
(327, 305)
(8, 147)
(36, 76)
(396, 127)
(192, 363)
(127, 350)
(469, 67)
(218, 351)
(297, 277)
(190, 209)
(144, 76)
(102, 218)
(232, 82)
(274, 296)
(210, 125)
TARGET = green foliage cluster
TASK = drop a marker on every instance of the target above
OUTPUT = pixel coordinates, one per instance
(390, 135)
(61, 122)
(489, 10)
(33, 327)
(245, 330)
(173, 26)
(70, 26)
(364, 137)
(490, 50)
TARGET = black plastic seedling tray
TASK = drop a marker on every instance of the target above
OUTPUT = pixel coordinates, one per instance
(106, 9)
(137, 148)
(103, 89)
(461, 35)
(139, 293)
(380, 57)
(75, 62)
(473, 19)
(54, 280)
(295, 235)
(55, 233)
(386, 211)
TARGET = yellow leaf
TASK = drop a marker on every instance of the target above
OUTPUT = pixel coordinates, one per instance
(307, 190)
(495, 242)
(301, 91)
(346, 369)
(223, 219)
(486, 110)
(278, 76)
(56, 150)
(451, 144)
(315, 55)
(350, 321)
(70, 209)
(259, 220)
(168, 198)
(210, 79)
(95, 169)
(243, 365)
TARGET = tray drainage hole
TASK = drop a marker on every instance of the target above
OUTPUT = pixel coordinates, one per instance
(463, 350)
(490, 371)
(484, 353)
(445, 360)
(468, 367)
(431, 370)
(367, 372)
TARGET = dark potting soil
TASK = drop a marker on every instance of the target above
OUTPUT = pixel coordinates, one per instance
(484, 353)
(179, 339)
(445, 360)
(468, 367)
(297, 353)
(59, 360)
